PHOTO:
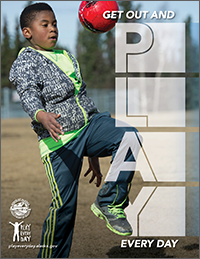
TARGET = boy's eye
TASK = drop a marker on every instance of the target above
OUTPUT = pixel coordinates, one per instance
(45, 25)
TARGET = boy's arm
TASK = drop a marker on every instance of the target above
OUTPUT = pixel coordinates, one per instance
(95, 168)
(24, 76)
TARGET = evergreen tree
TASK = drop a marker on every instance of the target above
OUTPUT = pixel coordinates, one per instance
(6, 55)
(18, 42)
(90, 56)
(192, 65)
(109, 52)
(29, 3)
(127, 6)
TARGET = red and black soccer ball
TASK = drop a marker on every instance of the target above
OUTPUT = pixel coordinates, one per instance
(91, 15)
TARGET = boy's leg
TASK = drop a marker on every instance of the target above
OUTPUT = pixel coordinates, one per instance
(62, 167)
(99, 138)
(105, 140)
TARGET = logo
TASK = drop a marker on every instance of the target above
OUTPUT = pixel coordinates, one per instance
(21, 232)
(20, 208)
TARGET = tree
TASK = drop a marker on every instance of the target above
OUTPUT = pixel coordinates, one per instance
(6, 56)
(29, 3)
(127, 6)
(192, 65)
(18, 42)
(91, 58)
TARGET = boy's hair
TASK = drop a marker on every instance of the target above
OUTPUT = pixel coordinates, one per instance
(28, 14)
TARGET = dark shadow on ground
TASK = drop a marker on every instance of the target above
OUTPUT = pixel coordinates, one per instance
(191, 247)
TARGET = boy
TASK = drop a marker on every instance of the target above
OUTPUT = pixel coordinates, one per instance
(68, 126)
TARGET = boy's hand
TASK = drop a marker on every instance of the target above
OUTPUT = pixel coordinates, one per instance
(95, 168)
(48, 120)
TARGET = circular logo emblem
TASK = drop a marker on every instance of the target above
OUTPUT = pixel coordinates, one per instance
(20, 208)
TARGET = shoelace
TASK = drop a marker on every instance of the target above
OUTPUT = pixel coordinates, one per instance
(119, 212)
(115, 209)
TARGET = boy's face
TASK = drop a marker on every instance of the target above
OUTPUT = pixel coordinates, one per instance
(43, 32)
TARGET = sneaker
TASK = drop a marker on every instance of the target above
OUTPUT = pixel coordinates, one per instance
(115, 218)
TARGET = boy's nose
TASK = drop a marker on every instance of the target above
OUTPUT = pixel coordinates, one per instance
(53, 28)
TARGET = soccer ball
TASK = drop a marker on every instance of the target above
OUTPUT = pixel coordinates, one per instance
(91, 15)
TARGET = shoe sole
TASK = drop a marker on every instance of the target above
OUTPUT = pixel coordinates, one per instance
(100, 215)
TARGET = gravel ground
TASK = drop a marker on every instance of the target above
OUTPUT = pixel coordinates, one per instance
(23, 176)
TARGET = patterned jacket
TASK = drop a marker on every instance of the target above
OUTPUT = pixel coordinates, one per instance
(41, 84)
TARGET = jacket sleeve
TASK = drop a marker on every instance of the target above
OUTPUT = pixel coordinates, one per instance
(24, 75)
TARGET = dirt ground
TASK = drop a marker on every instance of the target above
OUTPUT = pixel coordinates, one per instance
(23, 176)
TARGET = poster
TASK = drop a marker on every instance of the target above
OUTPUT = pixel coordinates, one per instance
(155, 89)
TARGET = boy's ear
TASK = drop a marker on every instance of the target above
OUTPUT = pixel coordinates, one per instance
(26, 33)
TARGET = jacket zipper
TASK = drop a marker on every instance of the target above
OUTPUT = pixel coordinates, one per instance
(76, 92)
(77, 100)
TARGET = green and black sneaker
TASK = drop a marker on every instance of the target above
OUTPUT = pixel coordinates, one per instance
(115, 218)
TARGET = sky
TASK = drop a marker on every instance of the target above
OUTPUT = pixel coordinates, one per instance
(67, 15)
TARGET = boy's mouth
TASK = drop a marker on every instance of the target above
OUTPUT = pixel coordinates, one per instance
(53, 38)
